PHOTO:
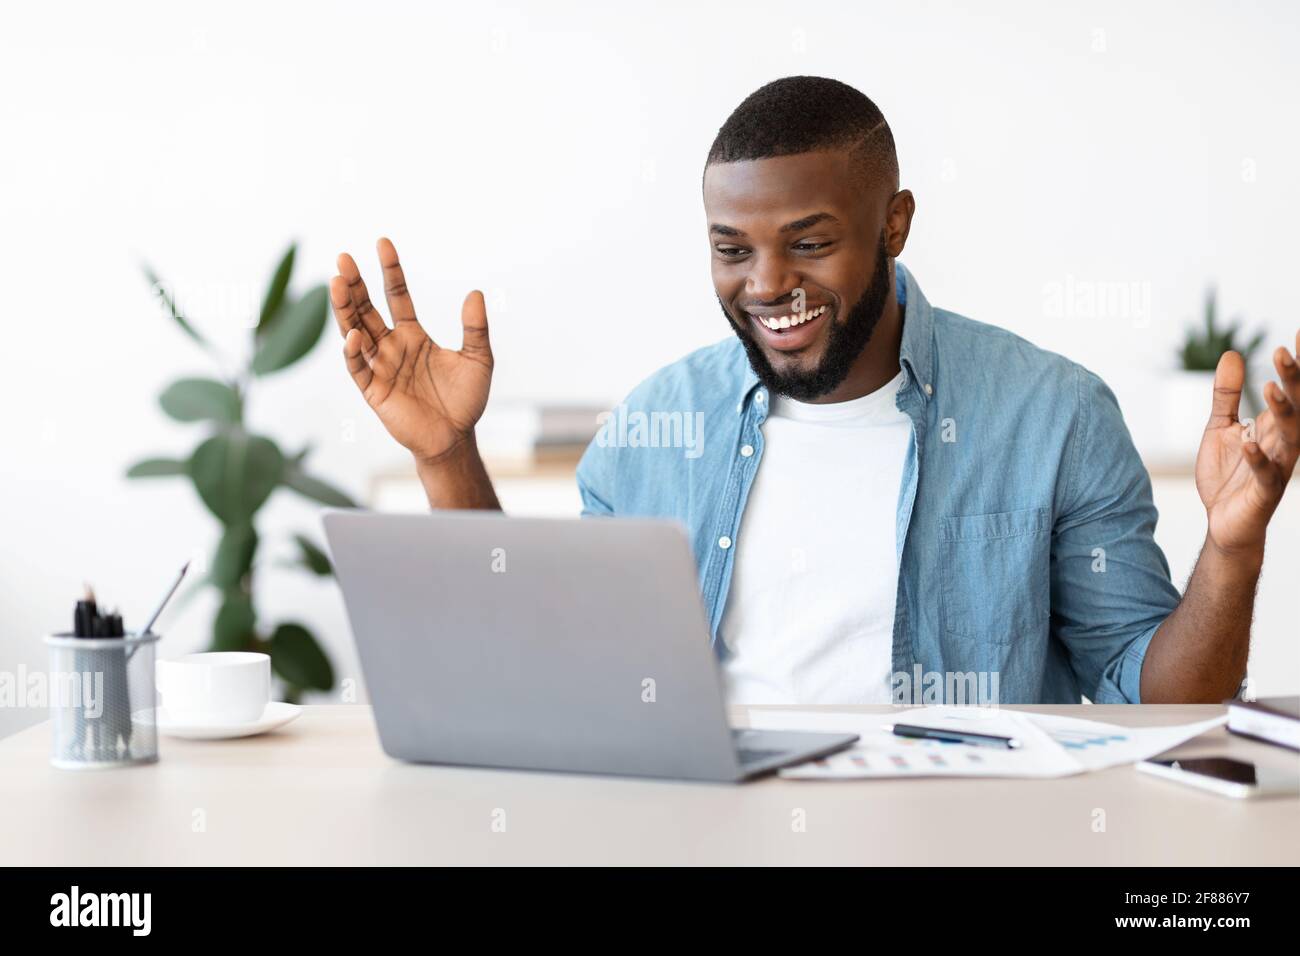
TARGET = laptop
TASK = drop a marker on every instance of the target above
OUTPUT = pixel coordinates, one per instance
(544, 644)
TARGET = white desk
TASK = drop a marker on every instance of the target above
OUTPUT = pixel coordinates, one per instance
(321, 791)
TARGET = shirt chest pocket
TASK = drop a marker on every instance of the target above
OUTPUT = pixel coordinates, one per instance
(996, 580)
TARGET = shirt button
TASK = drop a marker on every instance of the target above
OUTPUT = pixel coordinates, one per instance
(929, 389)
(740, 407)
(724, 542)
(746, 451)
(760, 396)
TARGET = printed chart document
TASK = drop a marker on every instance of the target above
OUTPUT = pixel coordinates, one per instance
(1051, 746)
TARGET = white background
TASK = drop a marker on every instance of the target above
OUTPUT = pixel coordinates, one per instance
(551, 155)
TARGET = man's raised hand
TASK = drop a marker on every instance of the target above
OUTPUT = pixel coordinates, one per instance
(429, 398)
(1241, 477)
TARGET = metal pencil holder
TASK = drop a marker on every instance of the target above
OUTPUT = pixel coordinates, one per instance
(102, 701)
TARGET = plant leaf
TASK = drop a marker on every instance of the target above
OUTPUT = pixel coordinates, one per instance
(314, 488)
(292, 335)
(160, 290)
(312, 556)
(234, 473)
(1255, 342)
(234, 623)
(275, 291)
(158, 468)
(234, 555)
(298, 658)
(200, 399)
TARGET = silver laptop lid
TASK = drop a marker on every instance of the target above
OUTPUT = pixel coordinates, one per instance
(536, 643)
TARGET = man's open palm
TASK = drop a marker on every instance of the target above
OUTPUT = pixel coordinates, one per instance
(1241, 481)
(428, 397)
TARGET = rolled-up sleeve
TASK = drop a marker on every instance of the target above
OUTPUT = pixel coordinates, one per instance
(1111, 588)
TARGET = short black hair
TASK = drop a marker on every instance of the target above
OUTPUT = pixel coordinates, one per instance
(802, 114)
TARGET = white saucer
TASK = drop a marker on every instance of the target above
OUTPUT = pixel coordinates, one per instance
(277, 714)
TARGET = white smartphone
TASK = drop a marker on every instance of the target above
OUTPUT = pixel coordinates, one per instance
(1226, 776)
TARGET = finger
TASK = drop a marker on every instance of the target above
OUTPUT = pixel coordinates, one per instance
(400, 306)
(370, 319)
(354, 355)
(1266, 472)
(1289, 372)
(380, 361)
(1228, 379)
(474, 327)
(1288, 423)
(345, 313)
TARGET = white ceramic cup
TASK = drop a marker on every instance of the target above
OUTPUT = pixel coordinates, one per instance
(219, 687)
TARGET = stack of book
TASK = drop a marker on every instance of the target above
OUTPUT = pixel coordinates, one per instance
(524, 434)
(1274, 720)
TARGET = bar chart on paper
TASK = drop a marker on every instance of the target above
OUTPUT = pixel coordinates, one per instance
(879, 753)
(1051, 746)
(1082, 739)
(909, 757)
(1097, 746)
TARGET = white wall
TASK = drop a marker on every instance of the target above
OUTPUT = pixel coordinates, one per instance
(551, 155)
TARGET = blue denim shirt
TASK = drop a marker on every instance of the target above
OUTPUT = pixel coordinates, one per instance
(1025, 518)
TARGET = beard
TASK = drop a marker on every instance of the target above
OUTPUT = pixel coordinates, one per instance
(845, 341)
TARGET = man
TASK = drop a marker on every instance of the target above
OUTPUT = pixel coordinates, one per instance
(888, 495)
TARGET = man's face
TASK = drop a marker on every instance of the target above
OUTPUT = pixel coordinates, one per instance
(789, 223)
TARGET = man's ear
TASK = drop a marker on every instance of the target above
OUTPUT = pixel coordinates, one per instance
(898, 222)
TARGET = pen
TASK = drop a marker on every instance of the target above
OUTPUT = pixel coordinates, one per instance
(953, 736)
(108, 732)
(159, 609)
(166, 597)
(83, 626)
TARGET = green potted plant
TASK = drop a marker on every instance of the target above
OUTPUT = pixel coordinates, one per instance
(1188, 392)
(234, 471)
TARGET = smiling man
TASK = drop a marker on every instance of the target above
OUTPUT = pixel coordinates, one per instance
(889, 498)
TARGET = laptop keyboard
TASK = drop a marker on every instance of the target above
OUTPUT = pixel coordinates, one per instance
(747, 755)
(754, 754)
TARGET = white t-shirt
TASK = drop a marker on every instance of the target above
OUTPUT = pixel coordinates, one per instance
(810, 611)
